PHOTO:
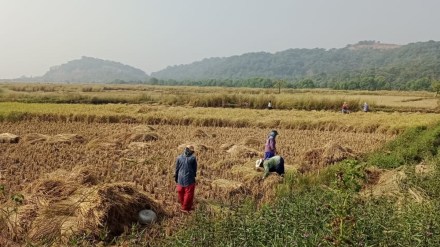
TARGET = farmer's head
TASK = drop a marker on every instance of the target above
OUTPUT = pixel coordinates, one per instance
(259, 163)
(189, 150)
(273, 133)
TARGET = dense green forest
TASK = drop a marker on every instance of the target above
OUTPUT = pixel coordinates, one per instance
(365, 65)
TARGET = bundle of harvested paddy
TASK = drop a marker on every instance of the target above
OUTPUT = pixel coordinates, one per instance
(138, 145)
(243, 151)
(35, 138)
(143, 129)
(66, 138)
(141, 137)
(321, 157)
(229, 187)
(60, 138)
(67, 204)
(104, 144)
(200, 133)
(135, 137)
(9, 138)
(251, 142)
(198, 147)
(226, 146)
(386, 183)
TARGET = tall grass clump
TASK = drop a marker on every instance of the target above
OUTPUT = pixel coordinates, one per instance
(414, 145)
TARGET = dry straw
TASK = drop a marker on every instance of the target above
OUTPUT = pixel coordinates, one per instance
(318, 158)
(65, 204)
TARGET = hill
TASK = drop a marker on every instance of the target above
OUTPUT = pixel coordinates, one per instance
(89, 69)
(365, 65)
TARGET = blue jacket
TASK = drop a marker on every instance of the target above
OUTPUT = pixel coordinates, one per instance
(186, 169)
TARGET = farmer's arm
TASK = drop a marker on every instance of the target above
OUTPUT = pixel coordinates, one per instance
(195, 167)
(176, 172)
(272, 144)
(266, 169)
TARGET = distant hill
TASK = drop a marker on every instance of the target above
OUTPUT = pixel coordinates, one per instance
(89, 69)
(365, 65)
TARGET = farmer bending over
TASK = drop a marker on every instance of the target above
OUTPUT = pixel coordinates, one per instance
(274, 164)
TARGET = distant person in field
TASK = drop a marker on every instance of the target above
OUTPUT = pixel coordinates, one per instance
(270, 148)
(185, 177)
(365, 108)
(269, 105)
(345, 108)
(273, 164)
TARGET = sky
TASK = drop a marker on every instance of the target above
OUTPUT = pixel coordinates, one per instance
(153, 34)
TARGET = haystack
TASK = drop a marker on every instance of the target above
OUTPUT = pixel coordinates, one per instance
(141, 137)
(65, 204)
(200, 133)
(35, 138)
(251, 142)
(226, 146)
(225, 164)
(103, 144)
(9, 138)
(143, 129)
(243, 151)
(198, 147)
(138, 145)
(246, 172)
(318, 158)
(60, 138)
(424, 169)
(124, 139)
(66, 138)
(386, 183)
(229, 187)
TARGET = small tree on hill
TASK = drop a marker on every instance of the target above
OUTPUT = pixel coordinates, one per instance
(435, 85)
(279, 84)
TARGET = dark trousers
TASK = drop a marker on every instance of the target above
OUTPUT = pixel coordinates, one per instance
(280, 167)
(268, 155)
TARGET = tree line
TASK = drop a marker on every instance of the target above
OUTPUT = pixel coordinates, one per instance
(409, 67)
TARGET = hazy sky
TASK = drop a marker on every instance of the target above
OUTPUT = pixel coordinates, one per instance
(153, 34)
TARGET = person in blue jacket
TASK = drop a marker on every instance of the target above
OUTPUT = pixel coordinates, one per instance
(185, 177)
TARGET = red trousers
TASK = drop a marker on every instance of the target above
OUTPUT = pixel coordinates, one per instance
(186, 196)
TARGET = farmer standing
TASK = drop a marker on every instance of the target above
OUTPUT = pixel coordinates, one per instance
(185, 177)
(270, 146)
(345, 109)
